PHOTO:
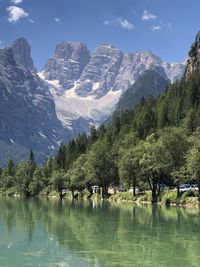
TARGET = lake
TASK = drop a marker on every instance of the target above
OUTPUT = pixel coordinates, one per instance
(50, 232)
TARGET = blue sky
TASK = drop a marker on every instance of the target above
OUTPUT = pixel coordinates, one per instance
(165, 27)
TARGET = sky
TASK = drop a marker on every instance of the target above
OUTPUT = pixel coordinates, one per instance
(165, 27)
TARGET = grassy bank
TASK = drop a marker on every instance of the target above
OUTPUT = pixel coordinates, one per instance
(168, 197)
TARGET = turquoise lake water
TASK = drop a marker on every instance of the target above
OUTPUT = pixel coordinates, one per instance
(49, 232)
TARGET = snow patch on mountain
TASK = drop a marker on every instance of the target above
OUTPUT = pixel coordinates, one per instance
(71, 106)
(86, 88)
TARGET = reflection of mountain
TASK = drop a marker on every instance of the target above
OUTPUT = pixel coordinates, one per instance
(105, 235)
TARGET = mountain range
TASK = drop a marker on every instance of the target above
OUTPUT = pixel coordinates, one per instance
(88, 86)
(74, 90)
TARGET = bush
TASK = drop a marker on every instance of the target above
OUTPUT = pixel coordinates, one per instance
(45, 192)
(123, 196)
(169, 196)
(189, 193)
(96, 196)
(191, 202)
(10, 192)
(145, 197)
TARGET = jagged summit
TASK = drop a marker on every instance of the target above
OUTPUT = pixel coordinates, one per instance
(89, 86)
(77, 89)
(22, 53)
(27, 111)
(108, 46)
(67, 63)
(68, 49)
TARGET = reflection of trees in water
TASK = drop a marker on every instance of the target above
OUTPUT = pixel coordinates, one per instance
(140, 234)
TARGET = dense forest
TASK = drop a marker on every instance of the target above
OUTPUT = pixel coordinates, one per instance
(158, 141)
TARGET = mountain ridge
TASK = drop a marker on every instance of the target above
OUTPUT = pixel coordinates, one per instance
(27, 119)
(150, 83)
(107, 74)
(75, 90)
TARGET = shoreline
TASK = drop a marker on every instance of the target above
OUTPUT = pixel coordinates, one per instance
(124, 198)
(187, 202)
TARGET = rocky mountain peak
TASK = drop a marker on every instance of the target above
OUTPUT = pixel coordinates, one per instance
(89, 86)
(100, 73)
(193, 62)
(71, 50)
(22, 53)
(67, 63)
(106, 49)
(27, 118)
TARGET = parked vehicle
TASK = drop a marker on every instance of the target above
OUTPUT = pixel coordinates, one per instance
(194, 187)
(185, 187)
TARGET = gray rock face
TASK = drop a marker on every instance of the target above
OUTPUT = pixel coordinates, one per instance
(174, 71)
(99, 75)
(150, 83)
(67, 63)
(89, 87)
(84, 90)
(133, 65)
(107, 69)
(27, 111)
(193, 62)
(22, 53)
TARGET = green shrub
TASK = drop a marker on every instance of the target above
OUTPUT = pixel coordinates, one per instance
(10, 192)
(192, 202)
(53, 193)
(96, 196)
(145, 197)
(123, 197)
(169, 196)
(86, 194)
(45, 192)
(189, 193)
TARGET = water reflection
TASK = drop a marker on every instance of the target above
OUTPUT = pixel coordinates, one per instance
(75, 233)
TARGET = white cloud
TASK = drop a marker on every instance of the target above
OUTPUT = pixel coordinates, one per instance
(125, 24)
(147, 16)
(31, 21)
(106, 22)
(16, 13)
(57, 19)
(16, 2)
(156, 28)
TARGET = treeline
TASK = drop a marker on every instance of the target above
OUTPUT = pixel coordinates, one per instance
(156, 142)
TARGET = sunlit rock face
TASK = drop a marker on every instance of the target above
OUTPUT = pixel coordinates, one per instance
(88, 86)
(67, 63)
